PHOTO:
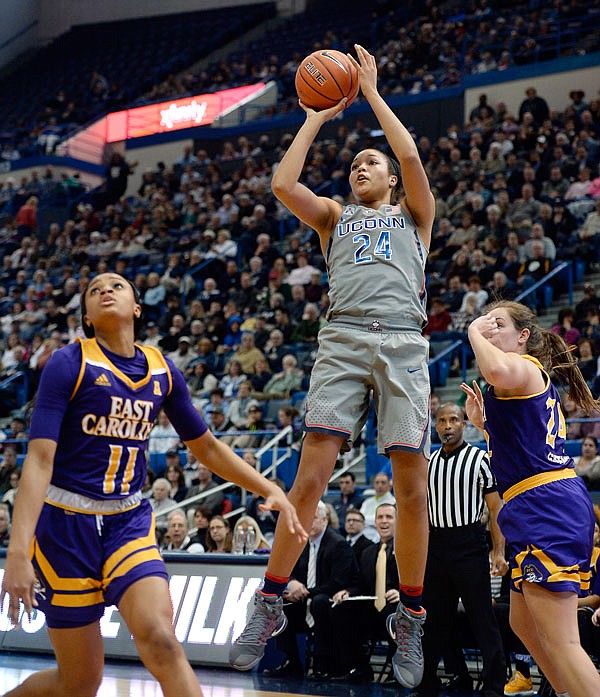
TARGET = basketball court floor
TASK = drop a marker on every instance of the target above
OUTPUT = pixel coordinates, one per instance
(131, 679)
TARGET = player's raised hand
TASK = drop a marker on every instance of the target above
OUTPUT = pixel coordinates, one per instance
(474, 404)
(366, 66)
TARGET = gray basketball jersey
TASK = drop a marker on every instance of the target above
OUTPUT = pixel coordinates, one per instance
(376, 265)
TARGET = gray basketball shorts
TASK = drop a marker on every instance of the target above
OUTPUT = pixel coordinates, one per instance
(353, 363)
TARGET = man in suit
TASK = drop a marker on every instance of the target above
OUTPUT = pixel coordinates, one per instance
(367, 618)
(309, 592)
(354, 526)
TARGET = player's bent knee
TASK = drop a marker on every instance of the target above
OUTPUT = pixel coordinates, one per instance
(159, 648)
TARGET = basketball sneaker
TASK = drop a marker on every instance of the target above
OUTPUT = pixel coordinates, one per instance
(406, 628)
(267, 620)
(519, 685)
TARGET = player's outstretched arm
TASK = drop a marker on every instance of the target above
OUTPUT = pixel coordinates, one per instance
(318, 212)
(221, 460)
(19, 576)
(419, 199)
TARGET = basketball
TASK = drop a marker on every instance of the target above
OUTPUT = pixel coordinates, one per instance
(324, 77)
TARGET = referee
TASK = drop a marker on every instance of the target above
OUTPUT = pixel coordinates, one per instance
(458, 563)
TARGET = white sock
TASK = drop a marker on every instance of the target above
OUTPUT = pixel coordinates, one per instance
(562, 694)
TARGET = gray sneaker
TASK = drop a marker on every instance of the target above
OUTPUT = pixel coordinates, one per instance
(266, 621)
(406, 629)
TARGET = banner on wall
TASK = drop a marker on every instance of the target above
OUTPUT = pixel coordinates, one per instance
(163, 117)
(210, 602)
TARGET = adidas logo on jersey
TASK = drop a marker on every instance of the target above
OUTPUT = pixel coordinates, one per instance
(102, 381)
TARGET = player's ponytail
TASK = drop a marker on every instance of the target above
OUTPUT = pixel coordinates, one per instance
(564, 364)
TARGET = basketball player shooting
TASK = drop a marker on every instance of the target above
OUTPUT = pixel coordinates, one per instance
(375, 250)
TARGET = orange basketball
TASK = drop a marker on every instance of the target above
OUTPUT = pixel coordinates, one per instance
(325, 77)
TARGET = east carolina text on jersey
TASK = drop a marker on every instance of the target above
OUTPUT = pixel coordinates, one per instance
(127, 419)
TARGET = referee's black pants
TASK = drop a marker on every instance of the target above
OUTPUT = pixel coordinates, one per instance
(458, 567)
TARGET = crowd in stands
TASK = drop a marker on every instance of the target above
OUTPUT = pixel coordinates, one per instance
(422, 47)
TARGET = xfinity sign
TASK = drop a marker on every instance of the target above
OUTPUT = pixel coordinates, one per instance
(190, 114)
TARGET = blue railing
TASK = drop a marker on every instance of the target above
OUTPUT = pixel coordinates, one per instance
(564, 269)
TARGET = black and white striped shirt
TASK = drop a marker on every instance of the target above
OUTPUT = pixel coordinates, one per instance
(458, 483)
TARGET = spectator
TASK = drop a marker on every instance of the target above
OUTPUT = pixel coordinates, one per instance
(501, 288)
(174, 474)
(383, 494)
(354, 526)
(439, 319)
(587, 359)
(117, 173)
(184, 354)
(589, 231)
(297, 306)
(219, 538)
(163, 436)
(8, 466)
(587, 465)
(275, 350)
(9, 496)
(282, 384)
(247, 354)
(307, 331)
(177, 535)
(200, 380)
(26, 219)
(160, 501)
(283, 323)
(534, 105)
(565, 326)
(200, 516)
(16, 434)
(254, 422)
(216, 398)
(232, 379)
(206, 483)
(4, 526)
(261, 375)
(233, 337)
(580, 189)
(239, 405)
(303, 272)
(148, 482)
(348, 497)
